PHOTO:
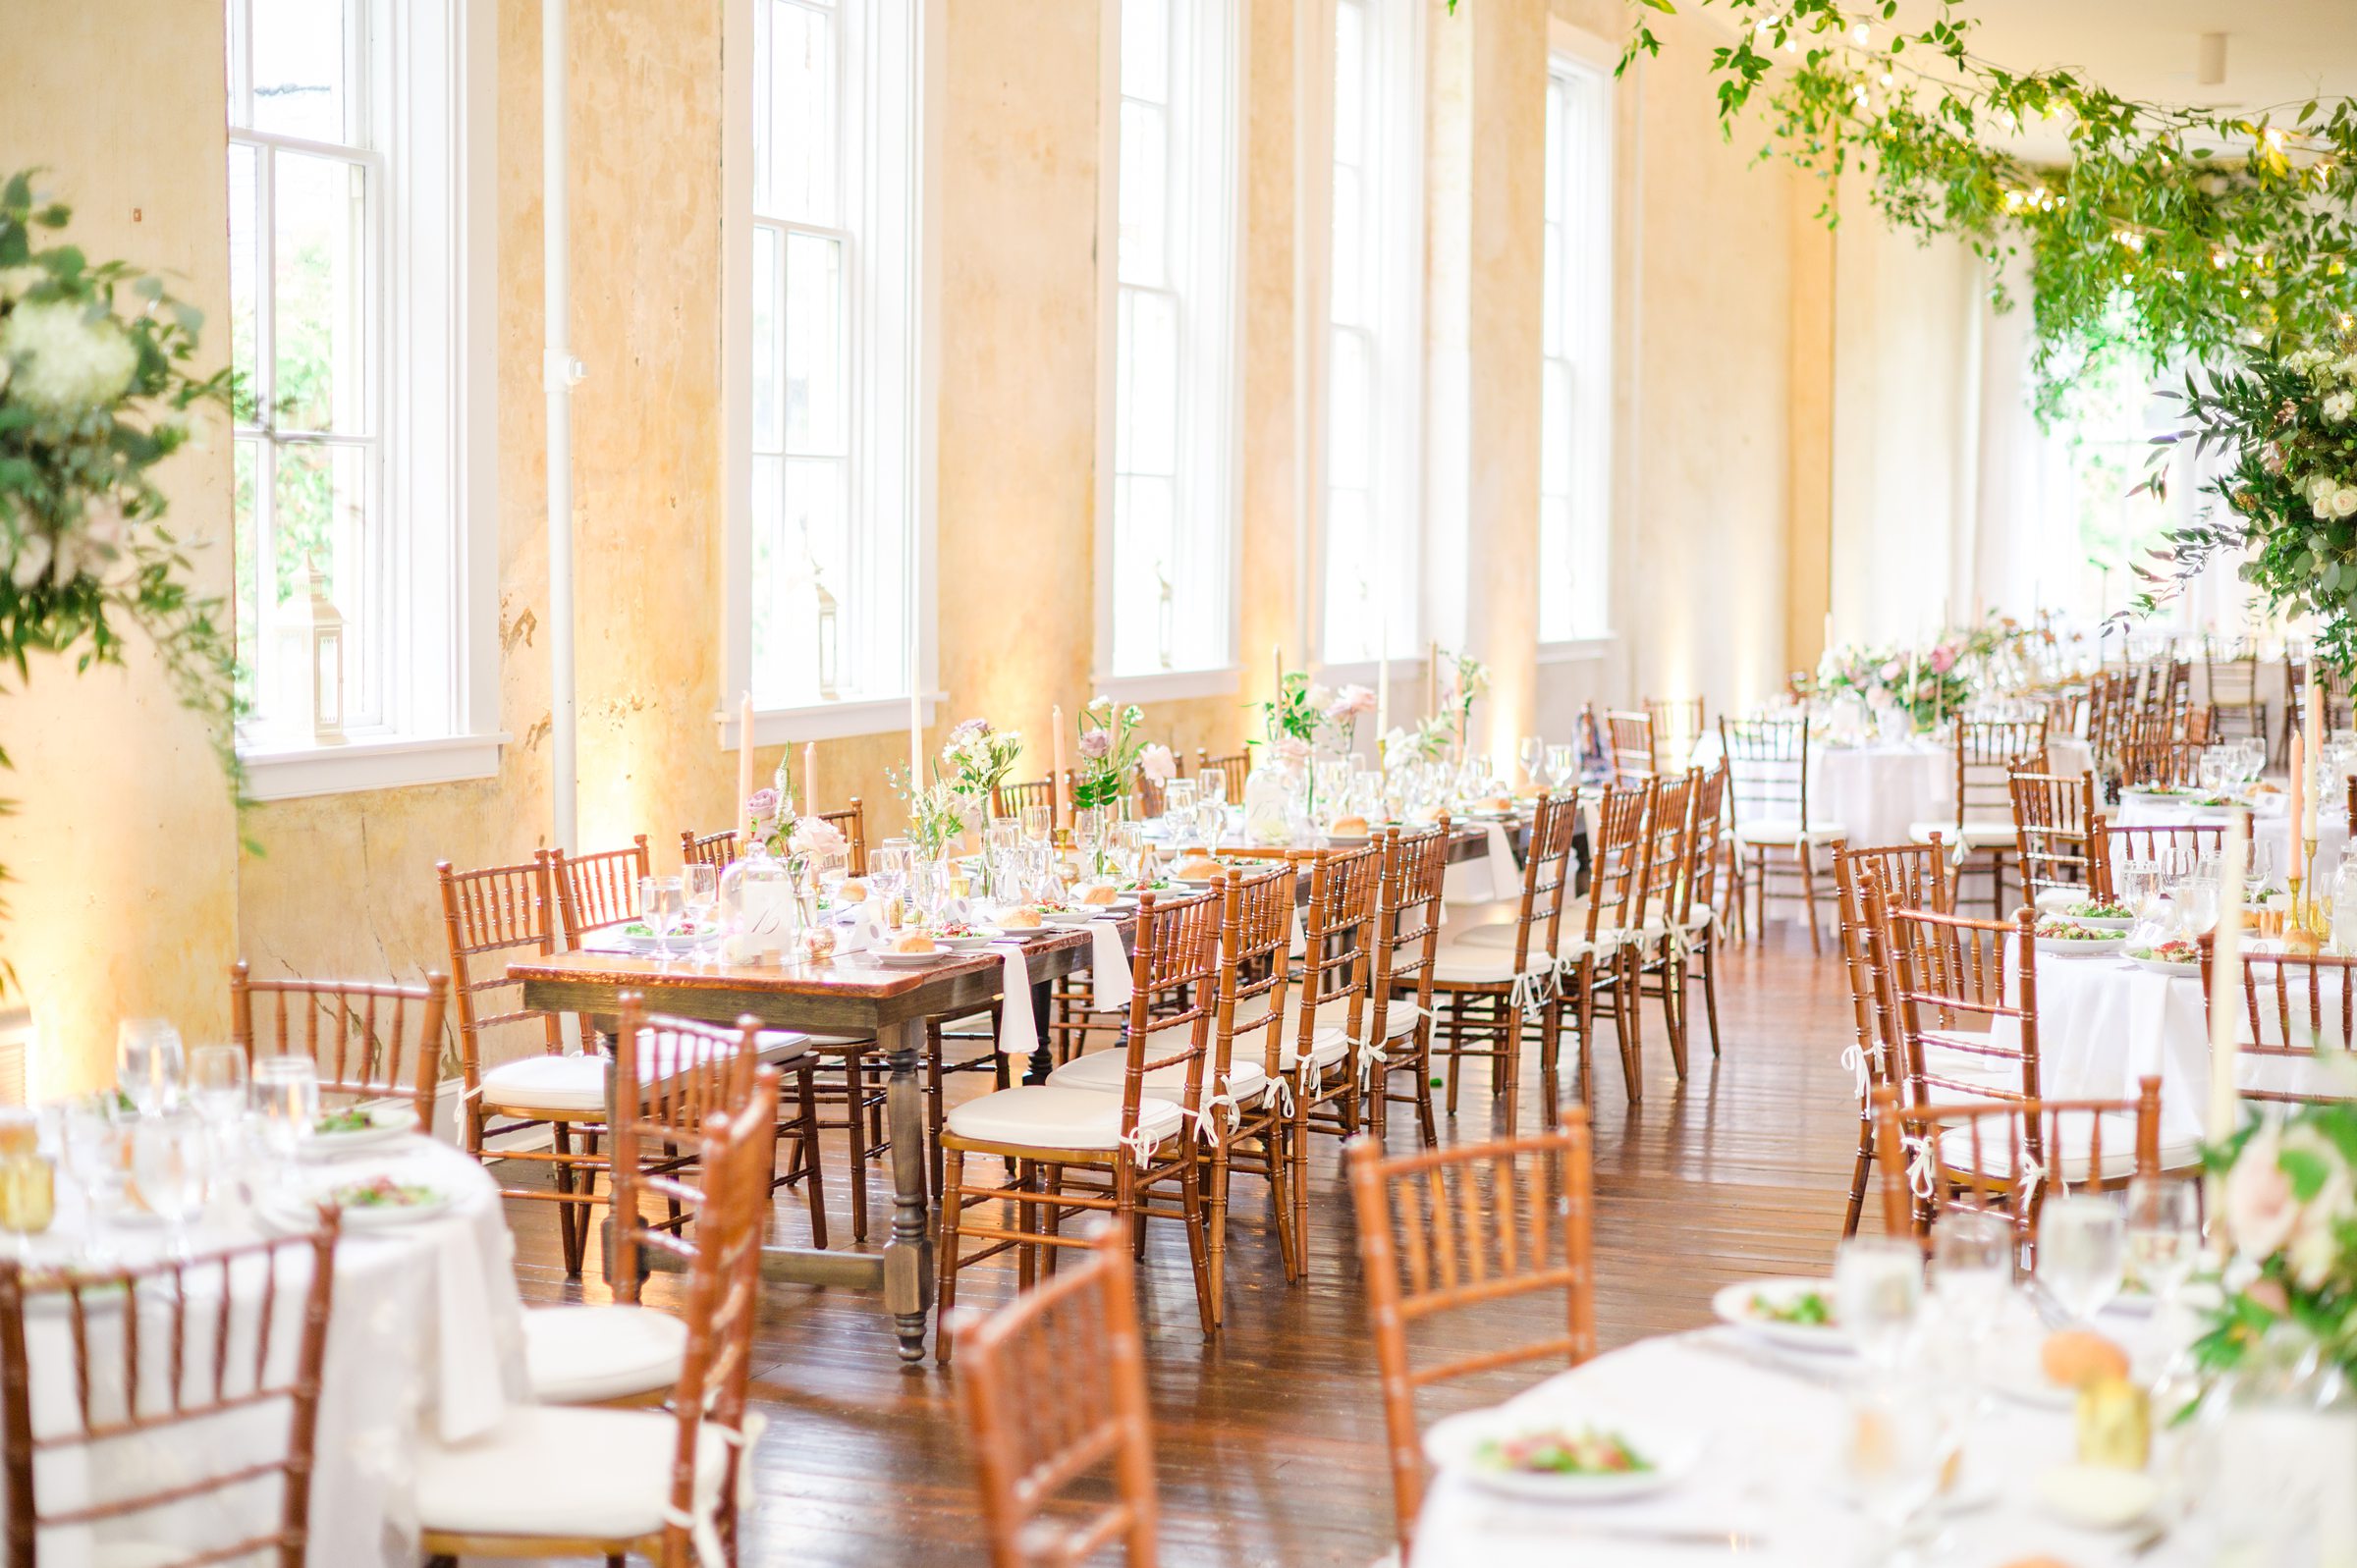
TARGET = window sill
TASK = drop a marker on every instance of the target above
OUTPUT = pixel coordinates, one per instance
(1171, 685)
(277, 772)
(826, 721)
(1578, 650)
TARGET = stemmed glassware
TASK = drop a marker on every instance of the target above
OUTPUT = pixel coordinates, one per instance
(1877, 1285)
(286, 1093)
(170, 1160)
(2164, 1234)
(1533, 758)
(95, 1140)
(1210, 818)
(148, 1063)
(1563, 766)
(217, 1083)
(659, 902)
(699, 905)
(1211, 787)
(2082, 1244)
(1179, 806)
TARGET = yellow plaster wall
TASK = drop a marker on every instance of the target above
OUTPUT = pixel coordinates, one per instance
(123, 838)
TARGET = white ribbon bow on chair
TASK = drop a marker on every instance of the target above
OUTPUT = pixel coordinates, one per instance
(1921, 1166)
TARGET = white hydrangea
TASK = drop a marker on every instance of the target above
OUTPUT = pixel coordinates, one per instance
(2303, 360)
(2338, 405)
(2344, 502)
(64, 361)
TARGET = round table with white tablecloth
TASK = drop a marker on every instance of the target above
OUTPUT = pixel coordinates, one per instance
(2104, 1024)
(1878, 792)
(1767, 1486)
(424, 1336)
(2271, 830)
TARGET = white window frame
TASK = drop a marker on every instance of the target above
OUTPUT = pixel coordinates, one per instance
(432, 86)
(1207, 85)
(1590, 338)
(1397, 408)
(899, 252)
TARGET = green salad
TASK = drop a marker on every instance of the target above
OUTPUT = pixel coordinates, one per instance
(1557, 1452)
(382, 1192)
(2102, 909)
(355, 1119)
(1811, 1309)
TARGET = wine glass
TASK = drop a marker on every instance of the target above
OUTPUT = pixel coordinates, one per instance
(1211, 786)
(1972, 1264)
(95, 1141)
(286, 1091)
(1563, 766)
(1178, 804)
(1897, 1444)
(659, 903)
(169, 1160)
(1210, 818)
(1533, 757)
(1877, 1285)
(1039, 823)
(217, 1083)
(2163, 1234)
(699, 901)
(2082, 1244)
(148, 1063)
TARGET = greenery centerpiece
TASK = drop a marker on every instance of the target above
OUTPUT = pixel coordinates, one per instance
(2288, 1214)
(1467, 680)
(979, 759)
(96, 389)
(1109, 746)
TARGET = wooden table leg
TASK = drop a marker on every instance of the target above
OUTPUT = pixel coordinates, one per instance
(909, 1251)
(1043, 1011)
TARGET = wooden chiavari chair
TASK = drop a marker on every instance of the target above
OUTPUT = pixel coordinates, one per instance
(1241, 1123)
(687, 1073)
(1129, 1148)
(1964, 994)
(1589, 972)
(1327, 1014)
(1766, 763)
(1408, 914)
(715, 849)
(202, 1340)
(597, 892)
(1233, 768)
(1679, 727)
(2124, 843)
(2008, 1157)
(2111, 714)
(369, 1041)
(1633, 760)
(1912, 876)
(1664, 890)
(1488, 993)
(1703, 924)
(1014, 797)
(1451, 1229)
(2298, 1019)
(573, 1480)
(2158, 757)
(1982, 832)
(2054, 833)
(1049, 1387)
(488, 917)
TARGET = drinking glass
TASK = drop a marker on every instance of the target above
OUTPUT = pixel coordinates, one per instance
(1211, 786)
(2196, 906)
(1533, 757)
(1972, 1264)
(2082, 1244)
(148, 1063)
(1039, 823)
(2163, 1234)
(286, 1091)
(217, 1083)
(1877, 1285)
(1892, 1456)
(1562, 765)
(1179, 806)
(28, 1198)
(1210, 816)
(168, 1159)
(96, 1144)
(659, 899)
(699, 903)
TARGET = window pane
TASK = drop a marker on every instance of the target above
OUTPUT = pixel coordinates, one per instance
(1351, 613)
(322, 524)
(319, 315)
(1145, 574)
(1550, 330)
(244, 224)
(1144, 194)
(245, 550)
(1354, 267)
(1555, 601)
(769, 352)
(1554, 149)
(816, 370)
(794, 173)
(801, 513)
(1146, 49)
(1350, 83)
(1351, 401)
(1554, 428)
(1150, 421)
(298, 71)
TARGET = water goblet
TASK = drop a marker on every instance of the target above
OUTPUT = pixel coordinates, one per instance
(96, 1144)
(169, 1160)
(1878, 1286)
(1178, 803)
(1210, 816)
(1898, 1442)
(699, 905)
(2082, 1245)
(1211, 786)
(217, 1083)
(2164, 1234)
(1039, 824)
(1562, 765)
(1533, 757)
(659, 902)
(148, 1063)
(286, 1092)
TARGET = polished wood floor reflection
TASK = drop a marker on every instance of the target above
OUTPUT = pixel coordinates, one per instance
(1266, 1441)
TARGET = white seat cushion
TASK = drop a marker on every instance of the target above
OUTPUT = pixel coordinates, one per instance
(1699, 917)
(1773, 830)
(562, 1085)
(2306, 1075)
(1975, 834)
(784, 1044)
(1104, 1070)
(137, 1555)
(2069, 1165)
(580, 1355)
(1501, 933)
(560, 1470)
(1477, 965)
(1057, 1116)
(1329, 1034)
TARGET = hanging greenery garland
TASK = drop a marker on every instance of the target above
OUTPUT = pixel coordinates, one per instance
(2168, 231)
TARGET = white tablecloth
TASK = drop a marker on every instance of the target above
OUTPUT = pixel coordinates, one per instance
(1770, 1478)
(1878, 792)
(2104, 1024)
(425, 1335)
(2271, 830)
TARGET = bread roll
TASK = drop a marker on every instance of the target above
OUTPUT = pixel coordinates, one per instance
(852, 891)
(2073, 1356)
(1349, 827)
(914, 942)
(1099, 892)
(1494, 804)
(1019, 920)
(1197, 868)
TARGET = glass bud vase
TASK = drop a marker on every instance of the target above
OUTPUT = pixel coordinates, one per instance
(1271, 796)
(758, 908)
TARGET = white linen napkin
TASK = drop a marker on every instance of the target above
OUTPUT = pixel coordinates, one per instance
(1018, 1031)
(468, 1396)
(1505, 872)
(1109, 967)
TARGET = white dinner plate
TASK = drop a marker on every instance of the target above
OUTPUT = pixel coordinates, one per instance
(388, 1124)
(1070, 917)
(2096, 1496)
(981, 937)
(2164, 966)
(295, 1212)
(1347, 841)
(911, 961)
(2081, 947)
(1455, 1444)
(2100, 922)
(2159, 797)
(1734, 1305)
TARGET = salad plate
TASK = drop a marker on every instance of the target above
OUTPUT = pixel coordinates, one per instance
(639, 937)
(2175, 957)
(961, 937)
(2096, 915)
(354, 1129)
(912, 960)
(372, 1203)
(2069, 940)
(1527, 1450)
(1795, 1312)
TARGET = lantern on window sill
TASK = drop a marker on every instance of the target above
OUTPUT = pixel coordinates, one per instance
(827, 619)
(310, 658)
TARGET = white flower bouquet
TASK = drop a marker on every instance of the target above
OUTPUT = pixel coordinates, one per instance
(2289, 1217)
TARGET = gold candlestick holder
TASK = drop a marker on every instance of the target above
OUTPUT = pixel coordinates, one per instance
(2311, 924)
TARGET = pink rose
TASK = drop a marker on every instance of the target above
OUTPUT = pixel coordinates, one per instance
(1894, 670)
(815, 835)
(1159, 765)
(2261, 1211)
(761, 805)
(1094, 744)
(1289, 749)
(1944, 658)
(2270, 1293)
(1349, 703)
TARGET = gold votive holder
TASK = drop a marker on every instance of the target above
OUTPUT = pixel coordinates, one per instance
(2114, 1424)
